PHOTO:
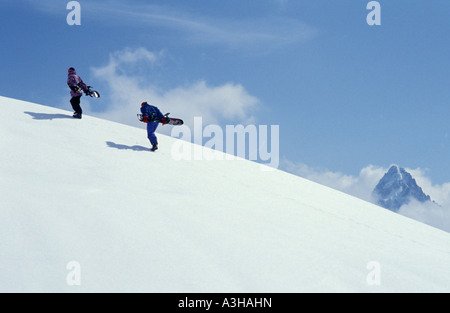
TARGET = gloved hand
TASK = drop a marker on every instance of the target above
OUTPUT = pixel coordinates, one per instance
(164, 120)
(145, 119)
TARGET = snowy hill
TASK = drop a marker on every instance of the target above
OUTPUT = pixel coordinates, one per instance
(396, 188)
(90, 191)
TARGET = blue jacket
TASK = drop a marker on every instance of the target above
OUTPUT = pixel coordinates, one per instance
(152, 112)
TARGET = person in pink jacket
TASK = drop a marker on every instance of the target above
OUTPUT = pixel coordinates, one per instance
(76, 85)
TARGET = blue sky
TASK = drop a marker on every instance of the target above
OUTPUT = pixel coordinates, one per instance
(345, 94)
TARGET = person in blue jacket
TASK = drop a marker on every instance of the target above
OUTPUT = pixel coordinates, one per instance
(152, 116)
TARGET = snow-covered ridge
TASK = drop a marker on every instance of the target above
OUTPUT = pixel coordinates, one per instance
(90, 191)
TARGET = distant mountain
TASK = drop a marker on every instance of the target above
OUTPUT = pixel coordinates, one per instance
(397, 188)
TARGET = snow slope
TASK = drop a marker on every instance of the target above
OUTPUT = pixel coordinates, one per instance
(90, 191)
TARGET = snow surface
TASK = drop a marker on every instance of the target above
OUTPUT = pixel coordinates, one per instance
(90, 191)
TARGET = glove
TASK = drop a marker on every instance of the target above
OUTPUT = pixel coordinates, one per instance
(164, 120)
(145, 119)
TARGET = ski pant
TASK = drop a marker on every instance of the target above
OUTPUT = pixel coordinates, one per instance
(75, 102)
(151, 128)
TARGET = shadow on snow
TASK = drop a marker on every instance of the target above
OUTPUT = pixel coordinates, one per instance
(125, 147)
(46, 116)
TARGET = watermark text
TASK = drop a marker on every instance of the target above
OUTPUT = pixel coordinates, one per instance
(73, 278)
(74, 16)
(212, 142)
(374, 16)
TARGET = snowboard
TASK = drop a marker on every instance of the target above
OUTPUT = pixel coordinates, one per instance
(92, 93)
(172, 120)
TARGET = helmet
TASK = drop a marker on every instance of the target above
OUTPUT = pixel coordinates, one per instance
(143, 103)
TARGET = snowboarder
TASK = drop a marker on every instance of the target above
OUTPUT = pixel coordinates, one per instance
(151, 115)
(76, 85)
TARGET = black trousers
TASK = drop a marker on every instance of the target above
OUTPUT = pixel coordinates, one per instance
(75, 102)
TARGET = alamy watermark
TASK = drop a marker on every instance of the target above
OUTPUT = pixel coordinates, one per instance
(73, 278)
(235, 142)
(373, 278)
(374, 16)
(74, 16)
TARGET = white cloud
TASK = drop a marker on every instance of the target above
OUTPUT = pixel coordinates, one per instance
(429, 213)
(131, 56)
(127, 89)
(437, 213)
(439, 193)
(360, 186)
